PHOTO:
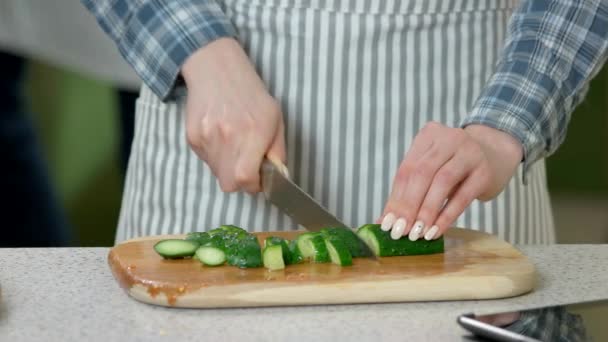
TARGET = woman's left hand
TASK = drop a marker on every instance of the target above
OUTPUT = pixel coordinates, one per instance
(453, 164)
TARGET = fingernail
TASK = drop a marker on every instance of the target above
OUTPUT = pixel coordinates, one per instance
(388, 221)
(431, 233)
(416, 231)
(398, 229)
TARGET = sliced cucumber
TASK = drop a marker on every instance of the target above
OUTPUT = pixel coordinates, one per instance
(312, 246)
(201, 237)
(349, 238)
(296, 255)
(211, 256)
(305, 246)
(273, 257)
(381, 243)
(318, 245)
(244, 251)
(338, 252)
(175, 248)
(275, 240)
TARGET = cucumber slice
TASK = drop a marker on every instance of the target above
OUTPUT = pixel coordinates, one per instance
(321, 254)
(381, 243)
(304, 246)
(175, 248)
(312, 246)
(296, 255)
(349, 238)
(338, 252)
(273, 257)
(274, 241)
(211, 256)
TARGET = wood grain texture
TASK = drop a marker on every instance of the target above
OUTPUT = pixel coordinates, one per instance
(475, 265)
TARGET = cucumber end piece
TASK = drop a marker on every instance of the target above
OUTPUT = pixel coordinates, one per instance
(176, 248)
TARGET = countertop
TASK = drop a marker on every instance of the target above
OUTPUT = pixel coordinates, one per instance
(69, 294)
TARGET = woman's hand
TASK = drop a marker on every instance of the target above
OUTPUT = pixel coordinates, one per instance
(231, 120)
(453, 164)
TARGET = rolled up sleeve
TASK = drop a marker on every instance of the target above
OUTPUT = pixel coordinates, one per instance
(554, 48)
(155, 37)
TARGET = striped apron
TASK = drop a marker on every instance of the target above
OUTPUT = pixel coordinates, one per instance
(357, 79)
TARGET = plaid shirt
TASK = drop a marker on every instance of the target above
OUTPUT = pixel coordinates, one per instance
(554, 48)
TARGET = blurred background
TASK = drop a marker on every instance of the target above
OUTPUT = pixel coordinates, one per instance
(72, 101)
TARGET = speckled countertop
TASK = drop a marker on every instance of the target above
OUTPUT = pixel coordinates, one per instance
(69, 294)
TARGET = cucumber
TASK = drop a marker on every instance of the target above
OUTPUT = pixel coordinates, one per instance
(296, 255)
(338, 252)
(275, 240)
(211, 256)
(175, 248)
(241, 248)
(381, 243)
(356, 247)
(304, 246)
(201, 237)
(312, 246)
(273, 257)
(244, 251)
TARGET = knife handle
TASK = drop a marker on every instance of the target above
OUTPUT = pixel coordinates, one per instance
(279, 165)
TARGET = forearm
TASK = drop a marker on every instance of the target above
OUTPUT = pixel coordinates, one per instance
(156, 37)
(553, 50)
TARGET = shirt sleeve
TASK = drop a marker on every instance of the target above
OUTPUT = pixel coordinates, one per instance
(157, 36)
(553, 49)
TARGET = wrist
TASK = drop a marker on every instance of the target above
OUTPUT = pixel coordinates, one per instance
(217, 53)
(498, 142)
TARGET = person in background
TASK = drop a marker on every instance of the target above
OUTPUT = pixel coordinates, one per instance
(31, 214)
(61, 35)
(441, 111)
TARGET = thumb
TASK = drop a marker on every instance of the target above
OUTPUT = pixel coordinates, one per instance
(277, 151)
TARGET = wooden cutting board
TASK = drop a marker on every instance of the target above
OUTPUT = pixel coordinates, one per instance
(474, 266)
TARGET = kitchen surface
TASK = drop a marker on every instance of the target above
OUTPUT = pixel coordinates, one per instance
(69, 294)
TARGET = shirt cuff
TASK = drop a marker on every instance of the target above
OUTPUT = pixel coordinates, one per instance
(515, 101)
(160, 36)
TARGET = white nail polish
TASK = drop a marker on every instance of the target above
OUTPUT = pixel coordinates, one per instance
(388, 221)
(430, 235)
(398, 229)
(416, 231)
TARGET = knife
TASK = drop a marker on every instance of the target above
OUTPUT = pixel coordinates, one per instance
(295, 202)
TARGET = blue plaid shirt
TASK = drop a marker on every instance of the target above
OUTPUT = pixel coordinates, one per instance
(553, 49)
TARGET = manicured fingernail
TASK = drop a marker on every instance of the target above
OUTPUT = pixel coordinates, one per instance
(398, 229)
(388, 221)
(416, 231)
(430, 235)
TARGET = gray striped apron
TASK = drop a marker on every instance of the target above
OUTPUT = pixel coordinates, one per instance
(357, 79)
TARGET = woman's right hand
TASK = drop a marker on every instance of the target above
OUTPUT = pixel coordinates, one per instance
(232, 122)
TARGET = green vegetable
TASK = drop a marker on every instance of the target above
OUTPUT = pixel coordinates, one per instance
(175, 248)
(338, 252)
(304, 246)
(381, 243)
(241, 248)
(275, 240)
(296, 255)
(243, 251)
(355, 245)
(273, 257)
(211, 256)
(201, 237)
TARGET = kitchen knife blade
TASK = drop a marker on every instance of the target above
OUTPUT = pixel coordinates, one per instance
(295, 202)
